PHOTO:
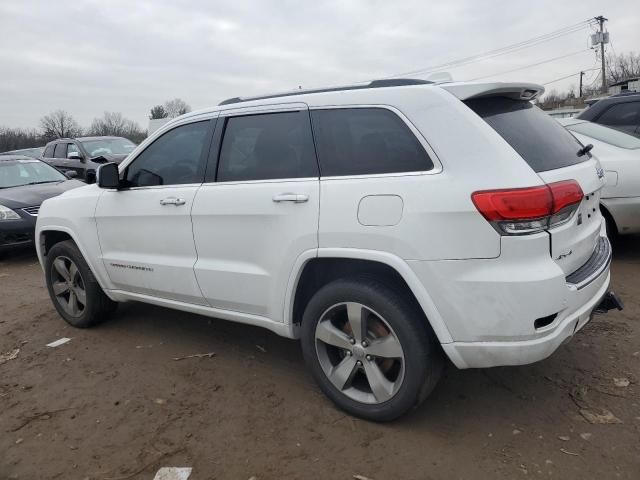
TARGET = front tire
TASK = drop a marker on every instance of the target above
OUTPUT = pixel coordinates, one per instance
(369, 348)
(73, 289)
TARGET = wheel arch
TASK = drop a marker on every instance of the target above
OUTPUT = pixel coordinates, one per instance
(49, 235)
(313, 272)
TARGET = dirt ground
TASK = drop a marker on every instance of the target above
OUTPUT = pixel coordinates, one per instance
(113, 404)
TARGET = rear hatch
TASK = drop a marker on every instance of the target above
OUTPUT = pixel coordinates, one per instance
(555, 155)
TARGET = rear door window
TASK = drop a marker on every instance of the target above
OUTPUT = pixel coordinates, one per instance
(60, 151)
(267, 146)
(365, 141)
(539, 139)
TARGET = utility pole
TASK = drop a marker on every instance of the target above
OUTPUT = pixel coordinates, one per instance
(601, 39)
(581, 75)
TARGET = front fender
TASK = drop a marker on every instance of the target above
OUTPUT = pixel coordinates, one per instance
(73, 214)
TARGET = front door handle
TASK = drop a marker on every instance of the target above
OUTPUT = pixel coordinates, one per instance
(172, 201)
(291, 197)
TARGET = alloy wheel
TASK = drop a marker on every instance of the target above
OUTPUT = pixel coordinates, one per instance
(360, 353)
(68, 286)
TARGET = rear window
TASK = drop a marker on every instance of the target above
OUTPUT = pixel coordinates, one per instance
(539, 139)
(606, 135)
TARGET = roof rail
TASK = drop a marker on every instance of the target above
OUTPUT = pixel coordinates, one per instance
(391, 82)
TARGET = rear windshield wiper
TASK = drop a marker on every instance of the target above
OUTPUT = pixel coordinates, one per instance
(584, 150)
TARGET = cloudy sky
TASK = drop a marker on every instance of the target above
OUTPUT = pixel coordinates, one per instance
(91, 56)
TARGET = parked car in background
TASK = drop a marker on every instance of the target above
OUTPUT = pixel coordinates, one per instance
(84, 155)
(29, 152)
(25, 183)
(382, 237)
(619, 155)
(563, 112)
(621, 112)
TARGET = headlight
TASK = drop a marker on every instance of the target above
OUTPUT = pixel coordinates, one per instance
(8, 214)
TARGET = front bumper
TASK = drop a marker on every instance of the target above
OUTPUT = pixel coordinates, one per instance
(16, 233)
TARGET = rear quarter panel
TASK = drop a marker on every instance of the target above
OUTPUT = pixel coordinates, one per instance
(439, 220)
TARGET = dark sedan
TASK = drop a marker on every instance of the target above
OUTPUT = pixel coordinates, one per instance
(24, 184)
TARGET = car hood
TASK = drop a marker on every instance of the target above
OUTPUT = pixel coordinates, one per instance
(109, 158)
(31, 195)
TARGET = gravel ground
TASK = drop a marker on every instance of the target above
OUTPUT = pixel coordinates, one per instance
(114, 404)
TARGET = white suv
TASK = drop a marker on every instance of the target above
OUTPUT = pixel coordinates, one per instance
(386, 225)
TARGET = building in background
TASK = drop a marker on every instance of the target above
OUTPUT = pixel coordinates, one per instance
(628, 85)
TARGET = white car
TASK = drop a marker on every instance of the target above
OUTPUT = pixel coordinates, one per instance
(619, 154)
(387, 226)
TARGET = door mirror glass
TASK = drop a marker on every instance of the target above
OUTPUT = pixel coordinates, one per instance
(71, 174)
(74, 156)
(108, 175)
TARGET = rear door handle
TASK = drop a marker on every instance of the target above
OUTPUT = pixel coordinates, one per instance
(172, 201)
(291, 197)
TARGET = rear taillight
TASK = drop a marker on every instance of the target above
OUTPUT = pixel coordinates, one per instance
(520, 211)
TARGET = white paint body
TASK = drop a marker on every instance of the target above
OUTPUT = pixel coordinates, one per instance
(231, 252)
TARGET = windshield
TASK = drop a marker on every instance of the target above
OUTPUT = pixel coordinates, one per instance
(539, 139)
(15, 173)
(606, 135)
(108, 146)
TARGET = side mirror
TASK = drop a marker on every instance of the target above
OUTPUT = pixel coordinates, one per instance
(71, 174)
(74, 156)
(108, 176)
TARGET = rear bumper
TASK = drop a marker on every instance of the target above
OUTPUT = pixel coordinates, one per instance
(491, 354)
(515, 309)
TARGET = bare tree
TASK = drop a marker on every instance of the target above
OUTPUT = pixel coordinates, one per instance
(113, 123)
(158, 112)
(15, 138)
(176, 107)
(59, 124)
(622, 67)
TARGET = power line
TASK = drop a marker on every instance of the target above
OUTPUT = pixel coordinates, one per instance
(568, 76)
(532, 65)
(503, 50)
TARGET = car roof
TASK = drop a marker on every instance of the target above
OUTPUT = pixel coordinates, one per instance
(462, 90)
(391, 82)
(18, 150)
(13, 158)
(99, 137)
(598, 108)
(370, 93)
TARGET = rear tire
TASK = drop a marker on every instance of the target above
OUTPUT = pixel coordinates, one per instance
(73, 289)
(377, 372)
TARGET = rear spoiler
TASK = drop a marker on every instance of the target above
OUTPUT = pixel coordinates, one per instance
(517, 91)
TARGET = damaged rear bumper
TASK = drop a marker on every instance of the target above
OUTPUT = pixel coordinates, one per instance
(497, 353)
